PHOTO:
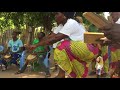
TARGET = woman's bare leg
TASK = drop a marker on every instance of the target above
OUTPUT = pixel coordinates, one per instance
(61, 74)
(56, 68)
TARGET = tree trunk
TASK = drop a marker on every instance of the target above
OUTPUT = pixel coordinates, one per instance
(33, 34)
(47, 24)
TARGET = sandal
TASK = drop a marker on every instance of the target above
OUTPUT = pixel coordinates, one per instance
(18, 72)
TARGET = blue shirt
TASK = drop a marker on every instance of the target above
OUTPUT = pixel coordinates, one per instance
(15, 45)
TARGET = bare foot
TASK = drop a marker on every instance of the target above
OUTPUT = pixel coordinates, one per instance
(47, 75)
(61, 74)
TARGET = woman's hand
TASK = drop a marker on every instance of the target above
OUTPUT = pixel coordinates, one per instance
(32, 47)
(105, 40)
(26, 46)
(112, 35)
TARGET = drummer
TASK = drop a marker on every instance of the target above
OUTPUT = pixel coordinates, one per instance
(41, 52)
(2, 61)
(15, 48)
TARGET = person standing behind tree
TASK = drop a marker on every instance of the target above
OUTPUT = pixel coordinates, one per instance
(80, 20)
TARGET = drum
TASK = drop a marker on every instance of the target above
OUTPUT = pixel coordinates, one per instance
(8, 56)
(31, 58)
(92, 37)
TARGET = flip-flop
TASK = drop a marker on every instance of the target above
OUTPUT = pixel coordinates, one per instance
(18, 72)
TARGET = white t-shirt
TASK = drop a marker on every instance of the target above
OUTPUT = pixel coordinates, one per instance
(56, 30)
(106, 14)
(74, 30)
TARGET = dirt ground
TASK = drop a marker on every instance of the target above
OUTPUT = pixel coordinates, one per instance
(10, 73)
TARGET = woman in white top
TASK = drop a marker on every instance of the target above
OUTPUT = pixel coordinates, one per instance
(72, 55)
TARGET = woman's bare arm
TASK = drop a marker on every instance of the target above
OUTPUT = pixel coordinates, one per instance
(49, 40)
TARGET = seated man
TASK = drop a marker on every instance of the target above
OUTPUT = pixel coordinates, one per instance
(14, 48)
(41, 52)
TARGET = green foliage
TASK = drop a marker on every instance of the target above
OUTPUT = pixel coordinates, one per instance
(19, 20)
(10, 20)
(86, 22)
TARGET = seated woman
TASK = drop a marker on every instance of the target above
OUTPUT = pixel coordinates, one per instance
(41, 52)
(72, 55)
(15, 47)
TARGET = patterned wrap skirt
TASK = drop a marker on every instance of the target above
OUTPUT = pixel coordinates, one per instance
(74, 57)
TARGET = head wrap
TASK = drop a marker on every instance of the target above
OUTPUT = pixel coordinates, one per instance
(69, 14)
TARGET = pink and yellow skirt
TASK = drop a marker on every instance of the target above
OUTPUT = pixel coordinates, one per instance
(74, 57)
(115, 56)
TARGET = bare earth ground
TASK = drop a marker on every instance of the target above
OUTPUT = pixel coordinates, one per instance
(10, 73)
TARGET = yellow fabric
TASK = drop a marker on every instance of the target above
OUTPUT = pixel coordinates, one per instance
(80, 50)
(115, 55)
(106, 62)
